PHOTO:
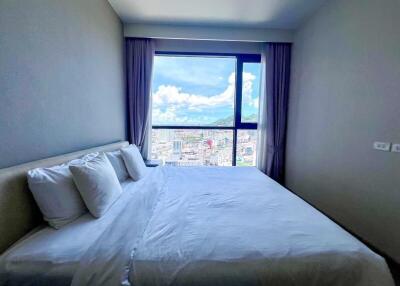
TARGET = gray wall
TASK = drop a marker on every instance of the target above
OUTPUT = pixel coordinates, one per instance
(345, 95)
(61, 78)
(203, 46)
(188, 32)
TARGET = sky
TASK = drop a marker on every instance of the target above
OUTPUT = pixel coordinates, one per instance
(200, 90)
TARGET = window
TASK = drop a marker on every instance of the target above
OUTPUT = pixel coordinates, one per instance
(250, 91)
(205, 109)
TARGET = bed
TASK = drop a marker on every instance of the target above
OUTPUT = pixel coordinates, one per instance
(196, 226)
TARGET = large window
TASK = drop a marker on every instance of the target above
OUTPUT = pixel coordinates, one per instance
(205, 109)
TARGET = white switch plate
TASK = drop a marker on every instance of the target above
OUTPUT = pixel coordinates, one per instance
(396, 148)
(382, 146)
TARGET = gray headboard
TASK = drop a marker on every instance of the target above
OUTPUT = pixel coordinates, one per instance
(18, 211)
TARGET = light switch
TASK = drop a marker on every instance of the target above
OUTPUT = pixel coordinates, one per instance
(396, 147)
(382, 146)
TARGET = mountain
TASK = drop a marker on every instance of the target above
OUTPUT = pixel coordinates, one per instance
(250, 118)
(228, 121)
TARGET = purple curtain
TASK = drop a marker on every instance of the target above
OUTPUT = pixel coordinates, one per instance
(277, 91)
(139, 66)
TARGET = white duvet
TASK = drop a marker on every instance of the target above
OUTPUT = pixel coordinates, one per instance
(227, 226)
(223, 226)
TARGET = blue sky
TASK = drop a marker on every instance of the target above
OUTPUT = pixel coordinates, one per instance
(199, 90)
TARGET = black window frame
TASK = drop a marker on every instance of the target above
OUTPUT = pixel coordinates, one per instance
(237, 123)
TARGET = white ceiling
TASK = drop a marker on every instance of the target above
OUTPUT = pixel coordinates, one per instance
(284, 14)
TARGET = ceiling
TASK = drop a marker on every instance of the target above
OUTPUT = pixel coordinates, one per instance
(284, 14)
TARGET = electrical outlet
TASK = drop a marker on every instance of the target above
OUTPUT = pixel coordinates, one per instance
(396, 148)
(382, 146)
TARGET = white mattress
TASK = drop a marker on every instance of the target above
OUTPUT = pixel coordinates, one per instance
(47, 254)
(199, 226)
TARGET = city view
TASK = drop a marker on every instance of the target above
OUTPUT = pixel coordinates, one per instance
(203, 147)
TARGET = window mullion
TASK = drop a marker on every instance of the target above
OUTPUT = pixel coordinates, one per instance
(234, 147)
(238, 92)
(238, 104)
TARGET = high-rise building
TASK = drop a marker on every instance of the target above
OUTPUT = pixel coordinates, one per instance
(177, 147)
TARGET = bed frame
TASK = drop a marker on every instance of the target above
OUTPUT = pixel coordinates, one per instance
(18, 211)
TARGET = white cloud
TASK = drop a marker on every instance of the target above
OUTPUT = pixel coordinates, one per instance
(169, 100)
(169, 115)
(248, 81)
(167, 95)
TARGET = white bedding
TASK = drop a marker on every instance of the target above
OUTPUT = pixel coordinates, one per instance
(46, 254)
(199, 226)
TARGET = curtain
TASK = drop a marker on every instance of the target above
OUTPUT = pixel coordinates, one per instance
(139, 66)
(262, 120)
(273, 110)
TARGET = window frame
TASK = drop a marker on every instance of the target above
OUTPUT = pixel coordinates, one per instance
(237, 124)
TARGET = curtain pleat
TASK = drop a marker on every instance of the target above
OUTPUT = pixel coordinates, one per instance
(274, 109)
(139, 67)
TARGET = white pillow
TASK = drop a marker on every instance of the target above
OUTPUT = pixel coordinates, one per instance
(134, 162)
(97, 183)
(83, 159)
(118, 164)
(56, 195)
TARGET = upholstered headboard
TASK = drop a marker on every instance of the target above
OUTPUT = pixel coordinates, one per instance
(18, 211)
